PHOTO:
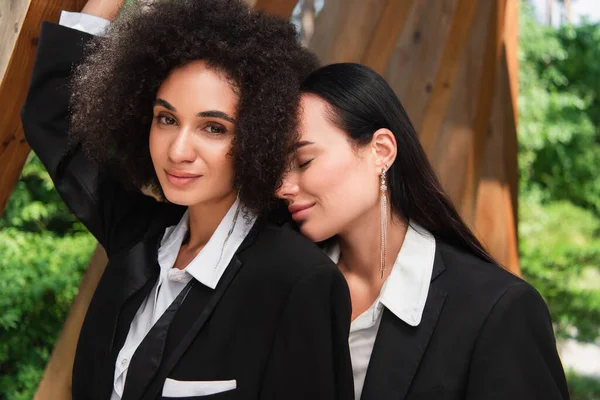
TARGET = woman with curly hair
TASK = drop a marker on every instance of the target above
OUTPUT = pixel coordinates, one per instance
(203, 296)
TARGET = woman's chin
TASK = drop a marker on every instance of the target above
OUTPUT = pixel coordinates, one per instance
(180, 199)
(313, 234)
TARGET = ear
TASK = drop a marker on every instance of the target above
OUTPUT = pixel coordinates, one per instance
(384, 148)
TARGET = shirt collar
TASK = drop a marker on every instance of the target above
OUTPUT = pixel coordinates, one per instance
(210, 263)
(405, 290)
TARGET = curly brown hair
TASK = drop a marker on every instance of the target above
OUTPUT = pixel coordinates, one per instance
(115, 87)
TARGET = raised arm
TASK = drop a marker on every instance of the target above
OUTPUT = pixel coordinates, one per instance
(113, 215)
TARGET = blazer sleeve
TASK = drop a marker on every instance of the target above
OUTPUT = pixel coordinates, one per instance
(310, 357)
(515, 356)
(112, 214)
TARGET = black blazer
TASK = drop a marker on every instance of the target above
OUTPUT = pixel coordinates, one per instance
(277, 321)
(485, 335)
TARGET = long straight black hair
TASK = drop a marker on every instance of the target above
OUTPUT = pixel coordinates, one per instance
(361, 102)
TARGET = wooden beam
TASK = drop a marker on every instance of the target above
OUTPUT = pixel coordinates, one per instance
(282, 8)
(11, 17)
(511, 144)
(56, 381)
(452, 151)
(343, 29)
(13, 148)
(442, 87)
(495, 217)
(485, 99)
(391, 23)
(20, 23)
(418, 53)
(511, 44)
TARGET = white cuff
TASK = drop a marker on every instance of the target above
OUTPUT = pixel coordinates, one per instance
(84, 22)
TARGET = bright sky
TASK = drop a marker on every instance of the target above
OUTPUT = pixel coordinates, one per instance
(579, 9)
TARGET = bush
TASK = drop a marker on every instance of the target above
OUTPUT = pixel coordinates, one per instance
(44, 253)
(583, 387)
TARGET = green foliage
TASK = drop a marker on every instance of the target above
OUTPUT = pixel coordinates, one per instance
(583, 387)
(44, 253)
(559, 155)
(562, 262)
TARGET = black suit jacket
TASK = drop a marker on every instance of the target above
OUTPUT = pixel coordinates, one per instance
(485, 335)
(277, 321)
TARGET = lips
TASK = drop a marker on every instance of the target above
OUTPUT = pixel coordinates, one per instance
(181, 178)
(299, 211)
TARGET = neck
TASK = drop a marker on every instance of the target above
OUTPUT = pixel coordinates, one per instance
(360, 246)
(205, 218)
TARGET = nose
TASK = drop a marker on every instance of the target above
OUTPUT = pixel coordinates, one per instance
(289, 187)
(181, 149)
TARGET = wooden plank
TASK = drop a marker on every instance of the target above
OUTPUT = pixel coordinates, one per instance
(485, 99)
(391, 23)
(15, 80)
(416, 59)
(12, 14)
(13, 148)
(451, 153)
(56, 381)
(458, 36)
(282, 8)
(343, 29)
(495, 218)
(511, 43)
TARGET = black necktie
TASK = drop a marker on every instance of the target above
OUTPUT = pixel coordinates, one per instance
(148, 355)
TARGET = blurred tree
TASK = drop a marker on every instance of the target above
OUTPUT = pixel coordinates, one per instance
(44, 253)
(559, 155)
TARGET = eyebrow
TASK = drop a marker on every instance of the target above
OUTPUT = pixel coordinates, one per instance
(216, 114)
(302, 144)
(205, 114)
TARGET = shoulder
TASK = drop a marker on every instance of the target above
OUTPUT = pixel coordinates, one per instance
(482, 286)
(288, 257)
(472, 272)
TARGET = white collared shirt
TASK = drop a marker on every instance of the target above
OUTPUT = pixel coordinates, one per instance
(207, 268)
(404, 293)
(83, 22)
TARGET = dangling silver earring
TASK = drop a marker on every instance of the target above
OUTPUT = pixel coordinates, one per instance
(384, 218)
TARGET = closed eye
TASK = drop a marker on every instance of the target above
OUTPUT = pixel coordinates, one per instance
(305, 164)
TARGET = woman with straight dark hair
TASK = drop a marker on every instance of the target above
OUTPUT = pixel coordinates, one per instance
(433, 315)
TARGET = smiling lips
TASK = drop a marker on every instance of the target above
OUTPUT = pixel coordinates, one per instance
(181, 178)
(299, 211)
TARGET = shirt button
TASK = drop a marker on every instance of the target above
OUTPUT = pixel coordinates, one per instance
(124, 362)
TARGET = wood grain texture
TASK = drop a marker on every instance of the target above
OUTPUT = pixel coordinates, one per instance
(383, 40)
(344, 28)
(57, 378)
(511, 42)
(485, 98)
(281, 8)
(452, 151)
(15, 81)
(12, 14)
(460, 32)
(496, 214)
(418, 53)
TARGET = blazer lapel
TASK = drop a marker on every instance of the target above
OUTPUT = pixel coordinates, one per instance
(110, 309)
(124, 285)
(187, 322)
(399, 347)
